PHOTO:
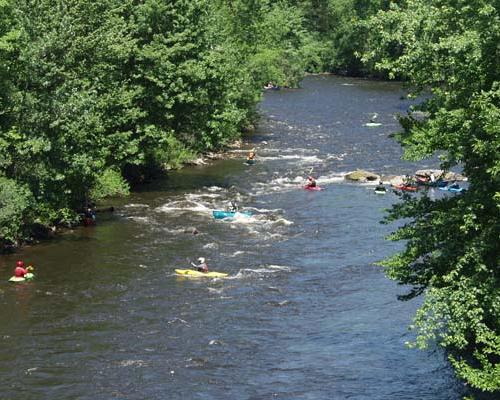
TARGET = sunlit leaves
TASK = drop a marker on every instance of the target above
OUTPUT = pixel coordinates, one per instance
(450, 48)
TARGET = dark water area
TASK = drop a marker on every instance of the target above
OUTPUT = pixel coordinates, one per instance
(304, 313)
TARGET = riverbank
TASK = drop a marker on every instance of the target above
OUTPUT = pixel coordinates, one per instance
(40, 233)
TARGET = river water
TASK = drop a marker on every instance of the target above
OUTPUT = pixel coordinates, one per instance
(304, 313)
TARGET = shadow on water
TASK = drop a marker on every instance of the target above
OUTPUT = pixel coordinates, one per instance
(304, 313)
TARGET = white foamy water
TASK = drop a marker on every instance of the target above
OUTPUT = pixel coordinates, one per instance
(237, 253)
(199, 196)
(134, 205)
(260, 272)
(183, 206)
(299, 158)
(145, 220)
(334, 177)
(214, 189)
(265, 210)
(338, 157)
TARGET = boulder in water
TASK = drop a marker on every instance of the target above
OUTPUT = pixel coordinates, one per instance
(440, 174)
(388, 179)
(397, 180)
(361, 176)
(453, 176)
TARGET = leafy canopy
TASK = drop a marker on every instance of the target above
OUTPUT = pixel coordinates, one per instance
(450, 48)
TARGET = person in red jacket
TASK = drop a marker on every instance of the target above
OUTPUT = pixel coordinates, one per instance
(20, 271)
(311, 182)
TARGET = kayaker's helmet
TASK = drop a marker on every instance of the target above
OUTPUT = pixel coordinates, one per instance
(201, 260)
(20, 264)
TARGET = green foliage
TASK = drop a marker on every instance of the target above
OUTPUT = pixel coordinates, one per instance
(452, 247)
(92, 88)
(16, 202)
(170, 153)
(269, 36)
(338, 34)
(109, 183)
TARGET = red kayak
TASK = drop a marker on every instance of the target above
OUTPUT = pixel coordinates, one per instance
(313, 188)
(406, 188)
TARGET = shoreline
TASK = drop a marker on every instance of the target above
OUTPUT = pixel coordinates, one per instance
(43, 233)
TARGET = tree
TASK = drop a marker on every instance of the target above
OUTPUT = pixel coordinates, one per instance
(450, 48)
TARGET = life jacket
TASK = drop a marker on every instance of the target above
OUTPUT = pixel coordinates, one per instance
(19, 272)
(202, 267)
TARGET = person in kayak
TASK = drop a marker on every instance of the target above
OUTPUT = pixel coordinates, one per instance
(380, 187)
(251, 155)
(454, 185)
(20, 271)
(202, 266)
(89, 217)
(311, 182)
(233, 206)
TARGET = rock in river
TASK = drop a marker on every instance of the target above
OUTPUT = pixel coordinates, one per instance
(361, 176)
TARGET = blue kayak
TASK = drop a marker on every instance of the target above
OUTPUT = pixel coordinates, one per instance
(453, 188)
(437, 183)
(221, 214)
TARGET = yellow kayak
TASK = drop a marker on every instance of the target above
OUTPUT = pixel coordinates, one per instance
(197, 274)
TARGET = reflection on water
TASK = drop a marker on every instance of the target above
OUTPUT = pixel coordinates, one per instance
(304, 312)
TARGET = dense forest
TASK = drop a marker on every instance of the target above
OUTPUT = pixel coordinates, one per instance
(97, 95)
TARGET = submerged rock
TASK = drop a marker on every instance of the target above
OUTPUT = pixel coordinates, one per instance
(192, 230)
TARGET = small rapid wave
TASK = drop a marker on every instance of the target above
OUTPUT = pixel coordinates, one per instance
(261, 272)
(136, 205)
(288, 183)
(183, 206)
(300, 158)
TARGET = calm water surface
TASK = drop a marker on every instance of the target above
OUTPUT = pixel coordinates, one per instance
(305, 314)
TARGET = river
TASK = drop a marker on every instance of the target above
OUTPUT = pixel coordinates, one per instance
(304, 313)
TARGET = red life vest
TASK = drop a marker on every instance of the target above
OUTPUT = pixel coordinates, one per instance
(19, 272)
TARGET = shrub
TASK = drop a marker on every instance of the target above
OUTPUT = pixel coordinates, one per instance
(16, 202)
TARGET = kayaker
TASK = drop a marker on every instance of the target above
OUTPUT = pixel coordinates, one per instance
(233, 207)
(251, 155)
(89, 217)
(20, 271)
(380, 187)
(311, 182)
(202, 266)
